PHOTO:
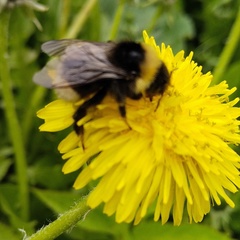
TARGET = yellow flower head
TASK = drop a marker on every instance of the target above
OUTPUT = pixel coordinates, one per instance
(174, 155)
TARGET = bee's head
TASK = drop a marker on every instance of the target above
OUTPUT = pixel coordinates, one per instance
(128, 56)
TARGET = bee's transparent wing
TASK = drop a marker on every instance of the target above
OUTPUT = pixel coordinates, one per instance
(77, 63)
(57, 47)
(48, 75)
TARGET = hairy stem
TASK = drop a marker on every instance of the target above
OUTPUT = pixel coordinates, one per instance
(63, 223)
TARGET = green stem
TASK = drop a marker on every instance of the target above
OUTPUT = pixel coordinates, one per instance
(63, 17)
(80, 19)
(63, 223)
(154, 19)
(14, 128)
(27, 122)
(228, 51)
(117, 20)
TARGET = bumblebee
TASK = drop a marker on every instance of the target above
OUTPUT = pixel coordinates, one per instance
(82, 69)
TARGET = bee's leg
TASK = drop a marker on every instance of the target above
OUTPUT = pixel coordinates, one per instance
(122, 110)
(158, 102)
(79, 114)
(82, 111)
(119, 92)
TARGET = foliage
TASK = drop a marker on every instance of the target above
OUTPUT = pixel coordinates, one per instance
(33, 190)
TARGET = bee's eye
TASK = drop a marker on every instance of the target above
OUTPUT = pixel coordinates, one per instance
(134, 56)
(134, 74)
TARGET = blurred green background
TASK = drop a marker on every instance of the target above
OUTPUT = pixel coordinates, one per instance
(33, 190)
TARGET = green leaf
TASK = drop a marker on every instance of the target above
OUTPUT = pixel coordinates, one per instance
(9, 233)
(232, 75)
(174, 28)
(4, 166)
(43, 172)
(96, 221)
(57, 201)
(10, 207)
(155, 231)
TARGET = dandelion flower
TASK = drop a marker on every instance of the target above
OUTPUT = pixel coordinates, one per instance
(176, 156)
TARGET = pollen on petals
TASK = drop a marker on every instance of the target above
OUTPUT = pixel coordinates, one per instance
(173, 157)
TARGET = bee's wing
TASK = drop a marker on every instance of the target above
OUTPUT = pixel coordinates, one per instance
(57, 47)
(77, 63)
(48, 75)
